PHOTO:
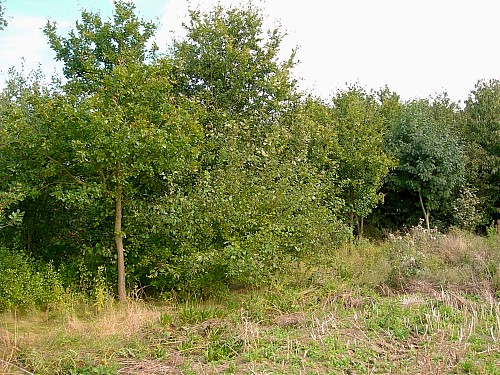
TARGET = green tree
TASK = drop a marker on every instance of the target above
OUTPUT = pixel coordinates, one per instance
(232, 64)
(318, 128)
(256, 203)
(362, 161)
(34, 145)
(3, 21)
(430, 156)
(18, 103)
(480, 124)
(390, 105)
(115, 121)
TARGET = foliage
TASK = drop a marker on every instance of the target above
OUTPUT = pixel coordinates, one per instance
(254, 205)
(466, 209)
(25, 283)
(362, 161)
(240, 223)
(93, 52)
(232, 65)
(127, 127)
(205, 168)
(3, 21)
(430, 156)
(480, 124)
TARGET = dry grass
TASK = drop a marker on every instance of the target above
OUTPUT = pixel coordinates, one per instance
(339, 317)
(454, 248)
(123, 321)
(34, 339)
(346, 334)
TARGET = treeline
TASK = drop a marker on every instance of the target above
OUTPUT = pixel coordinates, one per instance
(205, 165)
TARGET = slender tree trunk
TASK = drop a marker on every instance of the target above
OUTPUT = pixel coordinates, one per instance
(351, 221)
(351, 210)
(29, 241)
(427, 213)
(360, 227)
(122, 296)
(498, 227)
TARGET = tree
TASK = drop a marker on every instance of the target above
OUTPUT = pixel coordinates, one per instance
(255, 203)
(430, 156)
(10, 194)
(116, 118)
(480, 125)
(232, 64)
(361, 158)
(3, 21)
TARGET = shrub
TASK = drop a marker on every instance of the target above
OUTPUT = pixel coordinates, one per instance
(457, 258)
(465, 211)
(26, 283)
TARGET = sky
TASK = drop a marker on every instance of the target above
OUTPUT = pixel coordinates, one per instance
(418, 48)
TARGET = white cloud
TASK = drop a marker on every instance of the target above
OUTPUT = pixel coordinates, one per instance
(24, 46)
(174, 13)
(23, 39)
(418, 48)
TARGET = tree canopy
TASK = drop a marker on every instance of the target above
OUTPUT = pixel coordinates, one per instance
(3, 21)
(430, 156)
(481, 128)
(362, 160)
(204, 166)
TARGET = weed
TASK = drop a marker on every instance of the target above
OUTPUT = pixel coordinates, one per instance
(192, 313)
(446, 319)
(95, 370)
(223, 348)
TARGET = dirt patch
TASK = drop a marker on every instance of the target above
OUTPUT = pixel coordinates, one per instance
(287, 320)
(171, 366)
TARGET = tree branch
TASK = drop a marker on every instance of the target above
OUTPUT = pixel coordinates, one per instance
(65, 170)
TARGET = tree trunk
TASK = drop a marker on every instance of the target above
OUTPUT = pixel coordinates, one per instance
(29, 242)
(351, 210)
(427, 213)
(351, 221)
(360, 228)
(498, 227)
(122, 296)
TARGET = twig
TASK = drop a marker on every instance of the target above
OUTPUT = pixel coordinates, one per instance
(19, 368)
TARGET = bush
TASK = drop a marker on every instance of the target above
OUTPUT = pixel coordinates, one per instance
(457, 258)
(25, 283)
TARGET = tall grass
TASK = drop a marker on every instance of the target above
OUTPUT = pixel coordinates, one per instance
(421, 302)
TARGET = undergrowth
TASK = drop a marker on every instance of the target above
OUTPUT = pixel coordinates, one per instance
(418, 303)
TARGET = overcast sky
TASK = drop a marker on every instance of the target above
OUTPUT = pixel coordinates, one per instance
(416, 47)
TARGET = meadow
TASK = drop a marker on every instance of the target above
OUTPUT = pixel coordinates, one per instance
(419, 302)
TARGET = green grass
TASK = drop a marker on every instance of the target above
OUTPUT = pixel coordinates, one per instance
(401, 333)
(336, 316)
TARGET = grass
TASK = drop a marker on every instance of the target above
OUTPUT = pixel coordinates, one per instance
(368, 309)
